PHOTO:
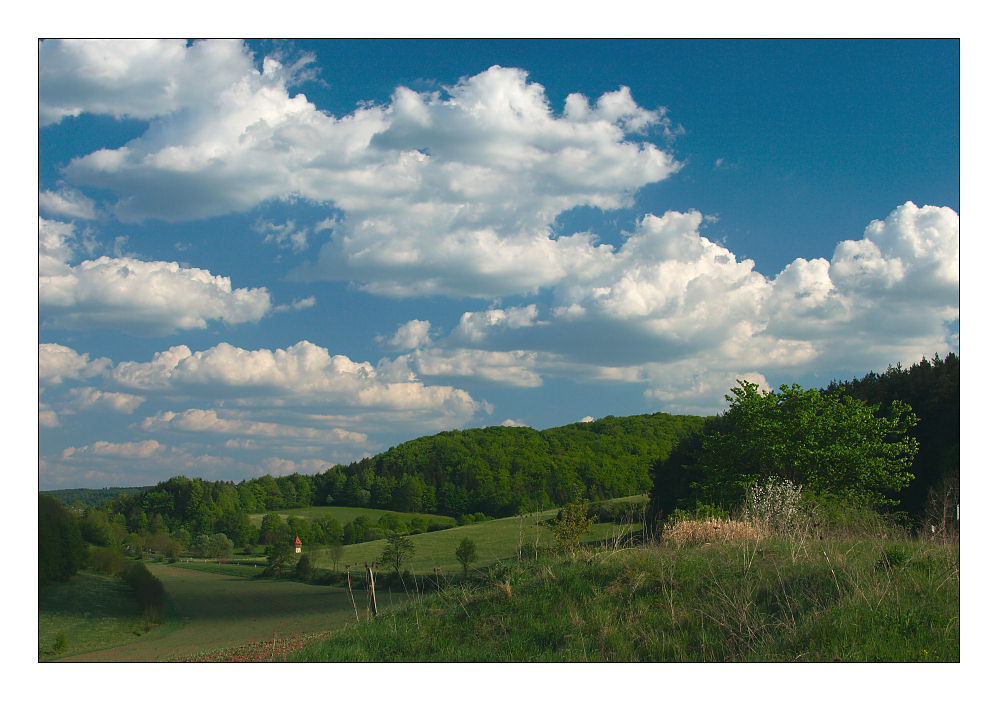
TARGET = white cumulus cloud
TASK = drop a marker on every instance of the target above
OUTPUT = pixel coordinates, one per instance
(57, 363)
(449, 192)
(144, 297)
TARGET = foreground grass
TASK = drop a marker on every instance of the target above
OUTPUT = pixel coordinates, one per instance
(90, 612)
(754, 600)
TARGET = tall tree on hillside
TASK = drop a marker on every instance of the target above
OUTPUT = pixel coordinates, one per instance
(399, 549)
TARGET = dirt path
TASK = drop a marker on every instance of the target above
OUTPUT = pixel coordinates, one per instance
(220, 611)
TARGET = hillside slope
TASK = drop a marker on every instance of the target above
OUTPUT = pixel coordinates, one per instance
(498, 470)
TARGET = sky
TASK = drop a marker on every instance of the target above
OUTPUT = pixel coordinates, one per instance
(270, 257)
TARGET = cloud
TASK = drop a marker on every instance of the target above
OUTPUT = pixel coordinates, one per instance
(297, 305)
(138, 449)
(452, 192)
(514, 368)
(410, 335)
(683, 315)
(142, 297)
(56, 246)
(200, 420)
(137, 78)
(286, 235)
(300, 375)
(476, 326)
(67, 203)
(47, 418)
(57, 363)
(85, 398)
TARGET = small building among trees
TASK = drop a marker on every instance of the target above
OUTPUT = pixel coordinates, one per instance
(297, 544)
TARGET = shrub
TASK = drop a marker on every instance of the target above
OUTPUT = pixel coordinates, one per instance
(571, 524)
(304, 568)
(776, 505)
(148, 590)
(108, 560)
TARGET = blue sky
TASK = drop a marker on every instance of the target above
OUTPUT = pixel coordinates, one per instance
(269, 257)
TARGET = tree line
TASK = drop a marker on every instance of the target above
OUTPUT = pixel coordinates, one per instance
(468, 475)
(889, 440)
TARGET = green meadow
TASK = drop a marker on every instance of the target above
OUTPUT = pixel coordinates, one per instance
(495, 540)
(343, 514)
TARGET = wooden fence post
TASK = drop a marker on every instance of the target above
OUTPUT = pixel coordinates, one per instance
(370, 584)
(350, 591)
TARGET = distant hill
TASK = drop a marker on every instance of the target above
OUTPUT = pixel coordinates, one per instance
(494, 471)
(89, 497)
(499, 469)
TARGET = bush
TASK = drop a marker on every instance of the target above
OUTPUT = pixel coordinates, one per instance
(439, 526)
(148, 590)
(776, 505)
(107, 560)
(304, 568)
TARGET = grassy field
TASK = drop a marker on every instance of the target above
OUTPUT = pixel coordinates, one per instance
(343, 514)
(90, 612)
(221, 611)
(767, 599)
(495, 540)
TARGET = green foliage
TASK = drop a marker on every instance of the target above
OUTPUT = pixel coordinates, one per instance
(90, 497)
(399, 549)
(270, 529)
(828, 442)
(107, 560)
(216, 545)
(304, 568)
(466, 553)
(477, 473)
(571, 524)
(932, 389)
(280, 555)
(147, 589)
(61, 550)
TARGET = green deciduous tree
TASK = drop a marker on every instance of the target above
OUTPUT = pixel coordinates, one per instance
(466, 553)
(398, 550)
(828, 442)
(61, 550)
(280, 555)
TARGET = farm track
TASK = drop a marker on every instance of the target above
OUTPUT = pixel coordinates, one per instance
(222, 612)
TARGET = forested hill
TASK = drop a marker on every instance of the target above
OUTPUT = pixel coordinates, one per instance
(89, 497)
(500, 469)
(495, 471)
